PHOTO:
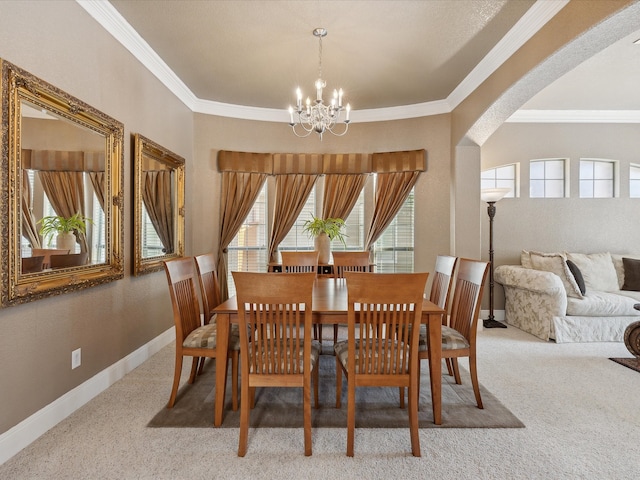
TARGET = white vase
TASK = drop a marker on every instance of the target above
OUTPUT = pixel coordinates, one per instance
(323, 246)
(66, 241)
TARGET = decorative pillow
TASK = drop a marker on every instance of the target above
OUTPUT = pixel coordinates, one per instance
(577, 275)
(597, 270)
(631, 274)
(617, 264)
(525, 259)
(556, 263)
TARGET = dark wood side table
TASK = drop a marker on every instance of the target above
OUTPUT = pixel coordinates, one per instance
(632, 337)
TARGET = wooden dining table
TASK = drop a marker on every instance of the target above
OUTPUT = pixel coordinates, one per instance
(330, 308)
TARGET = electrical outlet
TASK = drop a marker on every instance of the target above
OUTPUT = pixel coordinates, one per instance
(76, 358)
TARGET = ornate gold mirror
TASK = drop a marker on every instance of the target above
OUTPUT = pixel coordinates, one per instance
(62, 169)
(158, 206)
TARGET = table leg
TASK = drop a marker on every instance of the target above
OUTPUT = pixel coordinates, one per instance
(435, 365)
(222, 321)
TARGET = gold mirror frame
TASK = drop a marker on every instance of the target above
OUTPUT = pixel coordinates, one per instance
(18, 86)
(147, 152)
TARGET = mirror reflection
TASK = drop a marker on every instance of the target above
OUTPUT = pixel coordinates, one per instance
(61, 191)
(159, 205)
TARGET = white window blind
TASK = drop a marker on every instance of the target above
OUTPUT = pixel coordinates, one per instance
(394, 250)
(248, 250)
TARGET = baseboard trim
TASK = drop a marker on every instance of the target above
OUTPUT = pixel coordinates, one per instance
(27, 431)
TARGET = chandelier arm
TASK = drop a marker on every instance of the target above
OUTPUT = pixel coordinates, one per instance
(346, 128)
(300, 135)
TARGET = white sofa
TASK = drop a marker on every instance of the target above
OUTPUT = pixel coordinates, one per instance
(591, 303)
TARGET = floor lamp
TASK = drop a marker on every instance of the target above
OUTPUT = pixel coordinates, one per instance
(491, 196)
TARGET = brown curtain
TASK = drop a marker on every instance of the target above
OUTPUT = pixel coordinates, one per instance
(28, 224)
(341, 193)
(157, 199)
(65, 191)
(97, 180)
(239, 192)
(392, 189)
(292, 192)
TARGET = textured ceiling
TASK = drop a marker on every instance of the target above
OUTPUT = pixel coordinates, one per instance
(382, 53)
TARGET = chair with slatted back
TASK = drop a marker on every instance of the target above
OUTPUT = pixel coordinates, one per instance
(276, 309)
(459, 337)
(301, 262)
(211, 298)
(348, 262)
(384, 314)
(440, 294)
(192, 338)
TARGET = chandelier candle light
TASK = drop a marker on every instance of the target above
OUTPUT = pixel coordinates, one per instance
(317, 116)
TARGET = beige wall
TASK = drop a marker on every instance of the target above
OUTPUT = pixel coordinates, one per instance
(572, 224)
(60, 43)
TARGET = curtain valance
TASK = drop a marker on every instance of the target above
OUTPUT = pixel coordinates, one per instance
(322, 164)
(62, 161)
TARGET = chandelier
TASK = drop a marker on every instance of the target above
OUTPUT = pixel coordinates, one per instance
(318, 116)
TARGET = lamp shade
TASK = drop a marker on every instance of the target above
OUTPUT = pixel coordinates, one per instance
(490, 195)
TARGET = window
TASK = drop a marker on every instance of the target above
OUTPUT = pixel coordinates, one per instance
(248, 250)
(151, 244)
(547, 179)
(98, 231)
(393, 252)
(596, 179)
(297, 239)
(501, 177)
(634, 181)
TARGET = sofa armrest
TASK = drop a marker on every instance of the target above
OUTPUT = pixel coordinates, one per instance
(529, 279)
(532, 298)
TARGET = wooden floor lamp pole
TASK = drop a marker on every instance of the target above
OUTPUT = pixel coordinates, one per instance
(491, 322)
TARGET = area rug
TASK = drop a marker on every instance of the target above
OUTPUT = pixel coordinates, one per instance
(631, 363)
(376, 407)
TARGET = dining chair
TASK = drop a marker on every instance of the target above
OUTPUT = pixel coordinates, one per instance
(211, 298)
(459, 337)
(192, 338)
(276, 310)
(300, 262)
(440, 294)
(47, 253)
(348, 262)
(381, 350)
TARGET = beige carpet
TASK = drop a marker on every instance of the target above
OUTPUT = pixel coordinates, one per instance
(376, 407)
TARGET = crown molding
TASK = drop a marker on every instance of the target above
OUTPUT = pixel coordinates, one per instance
(575, 116)
(532, 21)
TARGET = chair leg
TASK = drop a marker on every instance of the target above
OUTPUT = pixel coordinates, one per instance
(306, 393)
(401, 397)
(338, 383)
(176, 381)
(413, 421)
(316, 382)
(201, 365)
(194, 369)
(335, 334)
(234, 379)
(456, 371)
(473, 368)
(449, 367)
(245, 408)
(351, 414)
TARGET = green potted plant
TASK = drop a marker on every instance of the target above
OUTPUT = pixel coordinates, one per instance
(323, 231)
(63, 229)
